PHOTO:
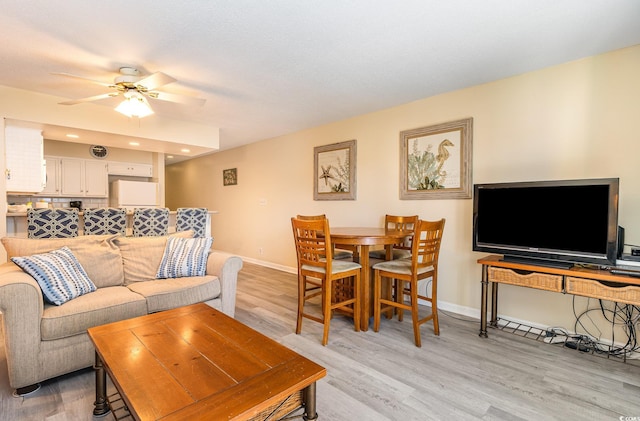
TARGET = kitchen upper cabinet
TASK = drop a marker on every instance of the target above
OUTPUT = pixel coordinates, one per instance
(81, 177)
(130, 169)
(25, 166)
(52, 187)
(96, 180)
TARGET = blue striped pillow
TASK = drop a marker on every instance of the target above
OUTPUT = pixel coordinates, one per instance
(184, 257)
(59, 274)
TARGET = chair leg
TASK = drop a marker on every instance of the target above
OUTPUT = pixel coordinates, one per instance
(376, 299)
(414, 314)
(301, 292)
(358, 303)
(399, 297)
(434, 309)
(388, 286)
(327, 292)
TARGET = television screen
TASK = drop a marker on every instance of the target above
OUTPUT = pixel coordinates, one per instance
(566, 221)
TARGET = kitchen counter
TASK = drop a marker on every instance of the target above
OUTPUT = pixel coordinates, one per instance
(17, 223)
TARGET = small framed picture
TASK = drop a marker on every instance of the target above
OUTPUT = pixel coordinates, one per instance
(335, 171)
(230, 177)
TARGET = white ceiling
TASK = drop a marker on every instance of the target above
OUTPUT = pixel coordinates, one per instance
(272, 67)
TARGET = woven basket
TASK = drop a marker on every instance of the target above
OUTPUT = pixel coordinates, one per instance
(278, 411)
(595, 289)
(526, 279)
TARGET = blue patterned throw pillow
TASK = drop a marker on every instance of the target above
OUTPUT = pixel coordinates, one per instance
(59, 274)
(184, 257)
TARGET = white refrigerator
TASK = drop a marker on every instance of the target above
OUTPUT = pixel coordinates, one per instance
(133, 194)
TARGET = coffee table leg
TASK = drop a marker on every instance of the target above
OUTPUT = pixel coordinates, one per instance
(100, 405)
(309, 399)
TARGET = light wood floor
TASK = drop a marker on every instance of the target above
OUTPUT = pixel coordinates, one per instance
(383, 376)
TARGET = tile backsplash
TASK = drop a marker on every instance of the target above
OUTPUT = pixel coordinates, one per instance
(60, 202)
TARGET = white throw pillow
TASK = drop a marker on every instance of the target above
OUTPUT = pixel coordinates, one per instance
(184, 257)
(59, 274)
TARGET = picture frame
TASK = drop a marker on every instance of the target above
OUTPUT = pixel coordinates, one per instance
(436, 161)
(335, 171)
(230, 177)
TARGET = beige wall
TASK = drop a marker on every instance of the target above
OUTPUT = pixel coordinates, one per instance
(575, 120)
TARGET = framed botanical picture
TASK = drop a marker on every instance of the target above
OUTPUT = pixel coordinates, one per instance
(335, 171)
(435, 161)
(230, 177)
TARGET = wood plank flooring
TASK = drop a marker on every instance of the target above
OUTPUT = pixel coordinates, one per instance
(383, 376)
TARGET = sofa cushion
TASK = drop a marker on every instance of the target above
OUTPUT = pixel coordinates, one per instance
(60, 276)
(141, 256)
(184, 257)
(106, 305)
(165, 294)
(99, 257)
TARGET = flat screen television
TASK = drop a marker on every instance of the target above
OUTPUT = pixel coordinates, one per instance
(556, 223)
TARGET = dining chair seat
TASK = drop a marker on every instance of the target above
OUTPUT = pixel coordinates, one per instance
(396, 254)
(335, 282)
(337, 266)
(402, 267)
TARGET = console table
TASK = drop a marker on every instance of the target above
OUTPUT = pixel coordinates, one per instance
(577, 280)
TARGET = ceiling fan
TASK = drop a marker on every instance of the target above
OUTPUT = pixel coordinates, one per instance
(135, 89)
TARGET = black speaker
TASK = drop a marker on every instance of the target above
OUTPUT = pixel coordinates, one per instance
(620, 241)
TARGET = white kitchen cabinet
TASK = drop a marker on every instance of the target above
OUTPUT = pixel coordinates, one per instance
(130, 169)
(96, 181)
(25, 171)
(52, 187)
(81, 177)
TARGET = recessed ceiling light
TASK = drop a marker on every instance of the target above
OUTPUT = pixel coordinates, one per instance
(73, 136)
(185, 150)
(169, 156)
(134, 143)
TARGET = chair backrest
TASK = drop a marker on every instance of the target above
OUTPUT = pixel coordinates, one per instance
(52, 223)
(401, 223)
(192, 219)
(426, 244)
(311, 217)
(103, 221)
(312, 239)
(150, 222)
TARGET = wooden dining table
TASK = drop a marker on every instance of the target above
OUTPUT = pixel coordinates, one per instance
(363, 238)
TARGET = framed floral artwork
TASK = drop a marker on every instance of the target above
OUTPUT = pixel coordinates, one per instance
(435, 161)
(335, 171)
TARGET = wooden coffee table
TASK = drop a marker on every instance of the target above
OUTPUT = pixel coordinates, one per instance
(195, 362)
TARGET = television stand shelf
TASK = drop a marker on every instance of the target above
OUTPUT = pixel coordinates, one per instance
(581, 281)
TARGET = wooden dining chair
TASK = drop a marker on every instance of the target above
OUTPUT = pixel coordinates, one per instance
(397, 223)
(344, 251)
(405, 274)
(336, 282)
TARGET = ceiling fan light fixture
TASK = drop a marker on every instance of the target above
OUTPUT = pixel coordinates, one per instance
(134, 105)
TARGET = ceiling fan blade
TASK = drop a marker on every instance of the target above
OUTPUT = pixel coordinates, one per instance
(97, 82)
(154, 81)
(88, 99)
(180, 99)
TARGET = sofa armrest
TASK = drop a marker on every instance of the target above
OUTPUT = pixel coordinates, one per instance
(226, 267)
(21, 304)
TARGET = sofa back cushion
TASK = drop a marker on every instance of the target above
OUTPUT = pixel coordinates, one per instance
(97, 254)
(141, 256)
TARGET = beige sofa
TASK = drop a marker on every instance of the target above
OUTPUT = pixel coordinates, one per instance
(43, 341)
